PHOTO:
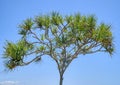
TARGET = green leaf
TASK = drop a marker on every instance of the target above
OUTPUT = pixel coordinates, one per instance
(42, 48)
(27, 24)
(56, 18)
(54, 30)
(69, 19)
(42, 37)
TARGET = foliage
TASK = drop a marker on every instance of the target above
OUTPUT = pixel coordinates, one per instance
(15, 52)
(63, 38)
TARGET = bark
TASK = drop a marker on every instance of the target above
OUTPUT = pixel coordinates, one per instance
(61, 79)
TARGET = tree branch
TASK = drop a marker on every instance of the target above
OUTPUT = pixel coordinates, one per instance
(98, 50)
(63, 28)
(36, 37)
(34, 59)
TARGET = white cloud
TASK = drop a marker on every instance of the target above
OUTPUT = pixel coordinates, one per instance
(9, 83)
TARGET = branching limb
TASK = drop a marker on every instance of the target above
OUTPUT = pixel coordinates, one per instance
(34, 59)
(36, 37)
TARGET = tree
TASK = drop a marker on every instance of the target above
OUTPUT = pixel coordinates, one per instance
(63, 38)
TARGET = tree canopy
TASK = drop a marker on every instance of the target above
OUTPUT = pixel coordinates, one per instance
(63, 38)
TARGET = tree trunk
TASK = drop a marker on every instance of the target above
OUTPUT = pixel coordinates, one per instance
(61, 79)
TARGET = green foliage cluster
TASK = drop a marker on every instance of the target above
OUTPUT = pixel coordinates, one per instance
(104, 36)
(16, 52)
(27, 25)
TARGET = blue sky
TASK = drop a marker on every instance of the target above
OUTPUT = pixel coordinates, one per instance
(93, 69)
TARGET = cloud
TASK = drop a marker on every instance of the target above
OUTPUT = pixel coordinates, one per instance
(9, 83)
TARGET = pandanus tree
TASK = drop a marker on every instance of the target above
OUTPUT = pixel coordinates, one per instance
(63, 38)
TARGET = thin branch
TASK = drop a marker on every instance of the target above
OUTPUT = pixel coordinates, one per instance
(36, 51)
(34, 59)
(98, 50)
(78, 50)
(35, 42)
(36, 37)
(64, 27)
(55, 34)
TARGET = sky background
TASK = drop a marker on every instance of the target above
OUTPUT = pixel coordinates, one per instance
(92, 69)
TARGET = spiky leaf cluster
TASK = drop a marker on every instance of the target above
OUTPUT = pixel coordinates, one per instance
(16, 52)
